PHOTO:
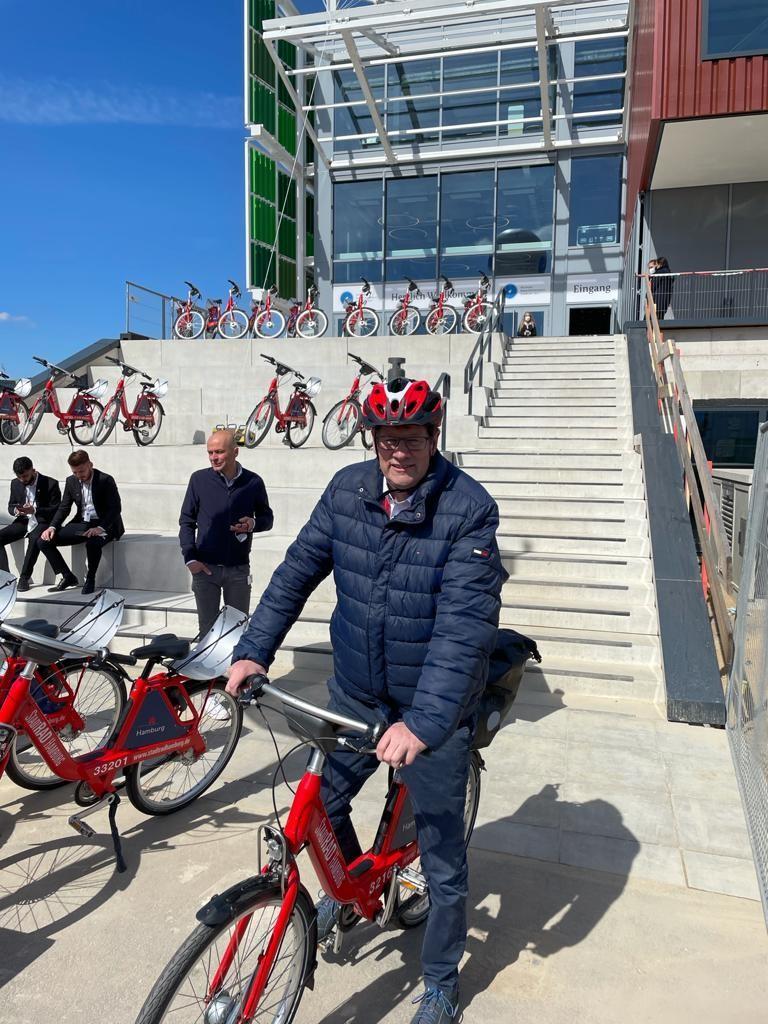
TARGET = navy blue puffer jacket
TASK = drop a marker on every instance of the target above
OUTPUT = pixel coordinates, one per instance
(418, 596)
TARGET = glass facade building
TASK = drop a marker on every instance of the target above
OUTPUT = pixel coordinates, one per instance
(460, 141)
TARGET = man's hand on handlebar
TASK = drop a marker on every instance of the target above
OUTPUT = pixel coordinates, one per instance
(238, 673)
(398, 746)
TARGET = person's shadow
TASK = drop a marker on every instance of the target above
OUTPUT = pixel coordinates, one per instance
(543, 907)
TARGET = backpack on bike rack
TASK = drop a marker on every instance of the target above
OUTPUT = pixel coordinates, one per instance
(505, 673)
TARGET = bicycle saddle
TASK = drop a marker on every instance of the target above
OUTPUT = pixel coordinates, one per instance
(166, 646)
(214, 302)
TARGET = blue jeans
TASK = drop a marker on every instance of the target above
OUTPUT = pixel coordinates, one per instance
(437, 785)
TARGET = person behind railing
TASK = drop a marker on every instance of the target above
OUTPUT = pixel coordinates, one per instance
(33, 501)
(527, 328)
(661, 285)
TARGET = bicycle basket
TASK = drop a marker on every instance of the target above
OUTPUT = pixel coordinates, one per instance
(95, 624)
(212, 654)
(312, 386)
(97, 390)
(159, 388)
(7, 594)
(23, 387)
(505, 673)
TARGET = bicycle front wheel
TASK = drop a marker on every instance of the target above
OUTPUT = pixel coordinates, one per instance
(189, 325)
(404, 322)
(98, 697)
(84, 432)
(311, 323)
(161, 785)
(413, 898)
(11, 430)
(209, 978)
(441, 323)
(258, 424)
(233, 325)
(269, 324)
(33, 422)
(298, 433)
(341, 425)
(361, 323)
(106, 422)
(147, 432)
(477, 316)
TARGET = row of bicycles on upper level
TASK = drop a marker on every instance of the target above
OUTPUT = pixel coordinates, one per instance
(226, 320)
(85, 420)
(305, 320)
(295, 416)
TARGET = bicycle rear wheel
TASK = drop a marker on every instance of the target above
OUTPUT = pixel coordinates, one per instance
(82, 432)
(146, 434)
(341, 425)
(413, 898)
(189, 325)
(404, 322)
(476, 317)
(361, 324)
(298, 433)
(98, 696)
(311, 323)
(164, 784)
(10, 430)
(258, 424)
(441, 323)
(269, 325)
(233, 325)
(184, 993)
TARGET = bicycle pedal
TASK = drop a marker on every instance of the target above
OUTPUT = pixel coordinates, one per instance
(81, 826)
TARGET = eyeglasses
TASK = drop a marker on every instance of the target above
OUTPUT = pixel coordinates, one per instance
(410, 444)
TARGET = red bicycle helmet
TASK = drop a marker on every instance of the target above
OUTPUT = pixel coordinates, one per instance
(402, 401)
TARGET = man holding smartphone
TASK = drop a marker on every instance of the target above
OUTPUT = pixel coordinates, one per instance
(223, 507)
(34, 500)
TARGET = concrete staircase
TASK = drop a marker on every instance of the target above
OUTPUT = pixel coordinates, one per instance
(554, 447)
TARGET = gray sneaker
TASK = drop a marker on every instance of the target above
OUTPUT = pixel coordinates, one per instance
(437, 1006)
(327, 917)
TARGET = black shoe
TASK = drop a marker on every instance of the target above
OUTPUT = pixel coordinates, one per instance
(89, 585)
(23, 585)
(64, 584)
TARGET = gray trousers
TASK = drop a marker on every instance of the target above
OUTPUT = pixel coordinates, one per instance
(232, 582)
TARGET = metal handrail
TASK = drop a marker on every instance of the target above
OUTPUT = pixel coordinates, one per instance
(676, 408)
(482, 349)
(443, 385)
(165, 315)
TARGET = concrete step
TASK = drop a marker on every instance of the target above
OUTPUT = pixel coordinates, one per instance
(611, 570)
(559, 443)
(559, 391)
(580, 406)
(519, 523)
(567, 680)
(556, 506)
(545, 420)
(522, 488)
(553, 590)
(572, 543)
(506, 459)
(540, 375)
(595, 649)
(515, 361)
(541, 614)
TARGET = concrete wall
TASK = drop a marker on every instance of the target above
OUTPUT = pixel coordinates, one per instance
(722, 365)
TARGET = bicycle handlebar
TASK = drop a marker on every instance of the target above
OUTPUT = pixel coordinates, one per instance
(365, 368)
(258, 685)
(235, 289)
(46, 641)
(192, 289)
(54, 368)
(281, 368)
(127, 369)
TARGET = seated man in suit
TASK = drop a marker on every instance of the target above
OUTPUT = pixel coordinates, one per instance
(34, 500)
(97, 521)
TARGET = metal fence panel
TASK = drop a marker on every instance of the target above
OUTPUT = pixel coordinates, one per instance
(748, 685)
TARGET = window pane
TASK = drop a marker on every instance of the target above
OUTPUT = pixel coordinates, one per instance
(519, 66)
(355, 120)
(514, 106)
(729, 435)
(405, 115)
(747, 237)
(595, 200)
(735, 26)
(413, 78)
(357, 230)
(470, 71)
(411, 222)
(466, 223)
(478, 115)
(599, 57)
(524, 221)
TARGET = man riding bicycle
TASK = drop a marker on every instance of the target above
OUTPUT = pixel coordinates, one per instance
(411, 541)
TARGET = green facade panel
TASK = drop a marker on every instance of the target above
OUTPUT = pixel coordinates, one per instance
(286, 238)
(262, 109)
(261, 62)
(262, 176)
(286, 278)
(260, 11)
(263, 221)
(263, 270)
(286, 129)
(286, 195)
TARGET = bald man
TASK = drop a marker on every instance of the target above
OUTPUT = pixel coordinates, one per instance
(223, 507)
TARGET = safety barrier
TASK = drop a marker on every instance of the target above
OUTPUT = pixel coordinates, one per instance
(482, 351)
(712, 297)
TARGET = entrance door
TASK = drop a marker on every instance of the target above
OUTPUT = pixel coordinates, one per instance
(588, 320)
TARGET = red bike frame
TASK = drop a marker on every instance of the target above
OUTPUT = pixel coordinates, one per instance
(357, 307)
(80, 408)
(442, 297)
(143, 410)
(259, 307)
(295, 410)
(353, 395)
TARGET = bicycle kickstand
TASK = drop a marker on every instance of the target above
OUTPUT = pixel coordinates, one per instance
(76, 822)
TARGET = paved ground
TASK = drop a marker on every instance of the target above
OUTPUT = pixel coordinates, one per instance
(611, 881)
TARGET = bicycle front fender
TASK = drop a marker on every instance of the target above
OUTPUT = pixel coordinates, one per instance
(225, 907)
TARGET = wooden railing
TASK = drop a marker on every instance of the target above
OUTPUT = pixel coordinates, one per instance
(676, 408)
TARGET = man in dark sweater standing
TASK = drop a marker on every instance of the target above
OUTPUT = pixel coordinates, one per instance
(223, 506)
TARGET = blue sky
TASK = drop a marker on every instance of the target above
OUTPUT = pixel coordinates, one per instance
(121, 128)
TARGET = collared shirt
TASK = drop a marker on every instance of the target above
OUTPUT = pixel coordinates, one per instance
(241, 537)
(89, 510)
(394, 508)
(29, 499)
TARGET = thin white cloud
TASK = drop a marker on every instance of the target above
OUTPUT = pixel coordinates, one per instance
(9, 318)
(50, 101)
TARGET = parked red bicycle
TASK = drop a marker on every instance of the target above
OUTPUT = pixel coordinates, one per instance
(441, 318)
(345, 419)
(79, 419)
(172, 742)
(13, 409)
(361, 321)
(307, 321)
(266, 320)
(406, 318)
(146, 417)
(477, 308)
(190, 321)
(298, 418)
(229, 323)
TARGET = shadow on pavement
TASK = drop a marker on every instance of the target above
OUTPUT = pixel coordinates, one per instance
(516, 906)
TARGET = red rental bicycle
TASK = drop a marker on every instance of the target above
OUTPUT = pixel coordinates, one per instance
(229, 323)
(84, 409)
(307, 321)
(441, 318)
(13, 409)
(255, 949)
(360, 320)
(266, 320)
(477, 309)
(177, 734)
(345, 419)
(298, 418)
(146, 418)
(406, 318)
(189, 322)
